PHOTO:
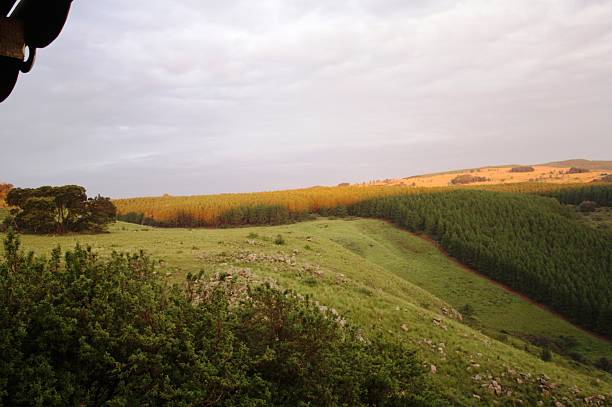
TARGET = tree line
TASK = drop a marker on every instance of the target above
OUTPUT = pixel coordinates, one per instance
(84, 331)
(238, 216)
(234, 209)
(58, 210)
(532, 244)
(601, 194)
(229, 209)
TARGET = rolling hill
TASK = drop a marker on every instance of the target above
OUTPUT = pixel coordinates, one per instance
(582, 163)
(480, 342)
(555, 172)
(398, 285)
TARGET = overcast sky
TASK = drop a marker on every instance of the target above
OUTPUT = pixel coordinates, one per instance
(149, 97)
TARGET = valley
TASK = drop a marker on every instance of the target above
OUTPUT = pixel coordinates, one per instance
(391, 283)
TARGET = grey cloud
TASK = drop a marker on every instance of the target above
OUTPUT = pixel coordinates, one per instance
(143, 98)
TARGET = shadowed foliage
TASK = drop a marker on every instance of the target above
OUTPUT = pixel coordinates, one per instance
(59, 210)
(88, 331)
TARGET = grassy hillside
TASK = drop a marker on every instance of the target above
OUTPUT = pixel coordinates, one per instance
(392, 283)
(547, 173)
(531, 243)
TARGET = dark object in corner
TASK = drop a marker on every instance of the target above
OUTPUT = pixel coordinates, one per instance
(32, 24)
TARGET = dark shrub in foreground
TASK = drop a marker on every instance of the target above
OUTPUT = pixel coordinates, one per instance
(546, 355)
(88, 331)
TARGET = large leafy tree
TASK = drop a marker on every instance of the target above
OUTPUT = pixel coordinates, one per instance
(59, 209)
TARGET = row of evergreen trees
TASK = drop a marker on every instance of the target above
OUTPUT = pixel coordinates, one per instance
(530, 243)
(600, 194)
(260, 215)
(240, 216)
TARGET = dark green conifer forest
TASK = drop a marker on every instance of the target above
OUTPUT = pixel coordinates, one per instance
(600, 194)
(532, 244)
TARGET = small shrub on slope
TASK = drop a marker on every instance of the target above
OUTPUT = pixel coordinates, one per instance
(467, 179)
(522, 168)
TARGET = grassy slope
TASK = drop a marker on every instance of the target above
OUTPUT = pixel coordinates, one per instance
(496, 309)
(381, 278)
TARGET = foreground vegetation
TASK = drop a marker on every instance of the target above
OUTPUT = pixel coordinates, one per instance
(393, 284)
(400, 289)
(91, 331)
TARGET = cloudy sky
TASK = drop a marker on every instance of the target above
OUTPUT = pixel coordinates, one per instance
(148, 97)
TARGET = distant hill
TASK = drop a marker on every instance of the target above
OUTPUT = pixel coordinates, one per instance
(582, 163)
(559, 172)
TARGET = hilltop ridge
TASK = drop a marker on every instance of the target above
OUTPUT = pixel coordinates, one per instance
(582, 163)
(559, 172)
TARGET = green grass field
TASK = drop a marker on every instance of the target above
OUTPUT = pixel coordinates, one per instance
(391, 283)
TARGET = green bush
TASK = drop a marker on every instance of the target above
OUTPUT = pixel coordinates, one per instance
(91, 331)
(280, 240)
(587, 206)
(604, 364)
(467, 311)
(546, 354)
